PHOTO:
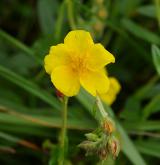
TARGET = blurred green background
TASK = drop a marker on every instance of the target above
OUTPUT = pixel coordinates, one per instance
(30, 112)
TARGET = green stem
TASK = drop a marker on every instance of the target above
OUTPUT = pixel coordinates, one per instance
(101, 108)
(70, 14)
(63, 133)
(157, 4)
(59, 22)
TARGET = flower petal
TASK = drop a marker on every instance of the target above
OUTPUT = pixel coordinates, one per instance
(58, 55)
(94, 82)
(65, 80)
(114, 84)
(110, 96)
(99, 57)
(78, 40)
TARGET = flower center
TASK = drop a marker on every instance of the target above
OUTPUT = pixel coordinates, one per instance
(79, 64)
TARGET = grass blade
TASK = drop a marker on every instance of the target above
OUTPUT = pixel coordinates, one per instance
(29, 86)
(149, 147)
(156, 57)
(19, 45)
(142, 125)
(140, 32)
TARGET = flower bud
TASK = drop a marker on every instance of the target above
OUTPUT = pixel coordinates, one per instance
(102, 13)
(98, 26)
(91, 136)
(114, 146)
(99, 1)
(87, 145)
(102, 153)
(108, 126)
(59, 94)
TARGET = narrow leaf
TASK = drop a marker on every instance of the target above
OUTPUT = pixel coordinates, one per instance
(140, 32)
(156, 57)
(29, 86)
(147, 10)
(149, 147)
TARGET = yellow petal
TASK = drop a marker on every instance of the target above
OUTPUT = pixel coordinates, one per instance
(114, 88)
(114, 84)
(65, 80)
(94, 82)
(58, 55)
(108, 98)
(99, 57)
(78, 40)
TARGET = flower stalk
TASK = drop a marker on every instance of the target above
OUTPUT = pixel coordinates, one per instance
(102, 141)
(62, 137)
(101, 108)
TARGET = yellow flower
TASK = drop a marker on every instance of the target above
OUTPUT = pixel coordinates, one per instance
(78, 61)
(110, 96)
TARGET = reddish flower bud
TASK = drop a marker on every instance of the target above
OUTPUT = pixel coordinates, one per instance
(114, 146)
(108, 125)
(102, 153)
(59, 94)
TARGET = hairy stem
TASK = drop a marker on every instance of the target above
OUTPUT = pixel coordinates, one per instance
(63, 133)
(101, 108)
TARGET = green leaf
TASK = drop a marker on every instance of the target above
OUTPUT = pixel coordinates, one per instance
(37, 91)
(128, 7)
(155, 90)
(157, 4)
(131, 41)
(129, 148)
(147, 89)
(20, 119)
(140, 32)
(141, 125)
(152, 107)
(147, 10)
(131, 109)
(46, 11)
(14, 139)
(29, 86)
(9, 137)
(38, 122)
(156, 57)
(149, 147)
(16, 43)
(17, 61)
